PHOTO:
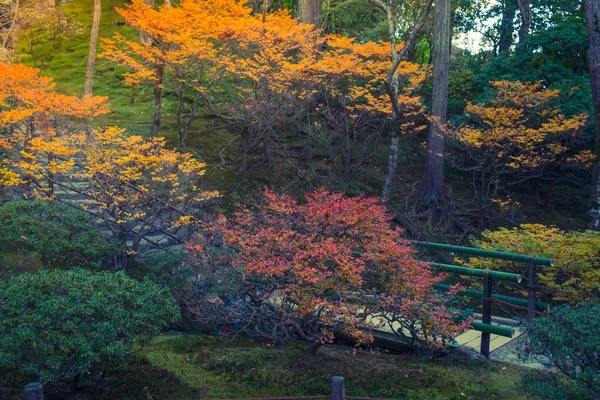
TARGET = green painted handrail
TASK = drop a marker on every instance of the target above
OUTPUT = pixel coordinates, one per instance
(487, 253)
(495, 329)
(455, 269)
(478, 293)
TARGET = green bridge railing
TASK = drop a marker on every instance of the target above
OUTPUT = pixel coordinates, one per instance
(489, 276)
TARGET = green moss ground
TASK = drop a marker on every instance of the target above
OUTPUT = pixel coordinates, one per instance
(192, 367)
(67, 62)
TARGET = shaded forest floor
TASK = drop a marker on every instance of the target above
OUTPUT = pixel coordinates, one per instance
(201, 366)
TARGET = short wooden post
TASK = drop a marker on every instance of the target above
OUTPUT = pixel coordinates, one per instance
(487, 313)
(338, 388)
(531, 297)
(34, 391)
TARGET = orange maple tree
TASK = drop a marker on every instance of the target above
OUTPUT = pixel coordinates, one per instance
(330, 265)
(276, 71)
(284, 70)
(136, 186)
(266, 62)
(27, 98)
(518, 135)
(181, 52)
(352, 100)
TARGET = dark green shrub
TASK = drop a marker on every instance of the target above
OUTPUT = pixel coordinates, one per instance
(69, 324)
(570, 338)
(167, 268)
(64, 237)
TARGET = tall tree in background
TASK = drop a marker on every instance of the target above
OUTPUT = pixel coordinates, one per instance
(13, 22)
(421, 12)
(89, 73)
(144, 37)
(526, 18)
(506, 26)
(309, 12)
(433, 193)
(592, 18)
(159, 71)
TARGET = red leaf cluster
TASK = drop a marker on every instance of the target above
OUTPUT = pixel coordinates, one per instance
(328, 264)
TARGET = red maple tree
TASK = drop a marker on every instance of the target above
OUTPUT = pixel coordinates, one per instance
(332, 264)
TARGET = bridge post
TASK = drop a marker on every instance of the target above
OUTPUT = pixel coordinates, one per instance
(338, 388)
(487, 313)
(34, 391)
(531, 284)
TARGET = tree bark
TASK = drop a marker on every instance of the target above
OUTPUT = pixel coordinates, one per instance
(265, 9)
(179, 117)
(89, 72)
(313, 347)
(526, 18)
(433, 188)
(393, 90)
(592, 18)
(160, 71)
(13, 23)
(595, 198)
(506, 27)
(144, 37)
(309, 12)
(391, 83)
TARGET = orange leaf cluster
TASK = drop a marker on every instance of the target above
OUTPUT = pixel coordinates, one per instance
(25, 94)
(521, 129)
(279, 56)
(135, 184)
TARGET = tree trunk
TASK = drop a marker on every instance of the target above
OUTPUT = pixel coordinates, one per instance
(244, 148)
(189, 120)
(506, 27)
(160, 72)
(595, 198)
(308, 149)
(391, 83)
(13, 23)
(526, 18)
(392, 161)
(347, 154)
(144, 37)
(266, 149)
(89, 72)
(592, 18)
(433, 188)
(309, 12)
(411, 51)
(313, 347)
(395, 140)
(180, 124)
(265, 9)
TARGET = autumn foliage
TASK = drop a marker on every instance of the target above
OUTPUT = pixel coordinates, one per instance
(135, 185)
(518, 135)
(266, 76)
(27, 96)
(575, 275)
(331, 264)
(520, 129)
